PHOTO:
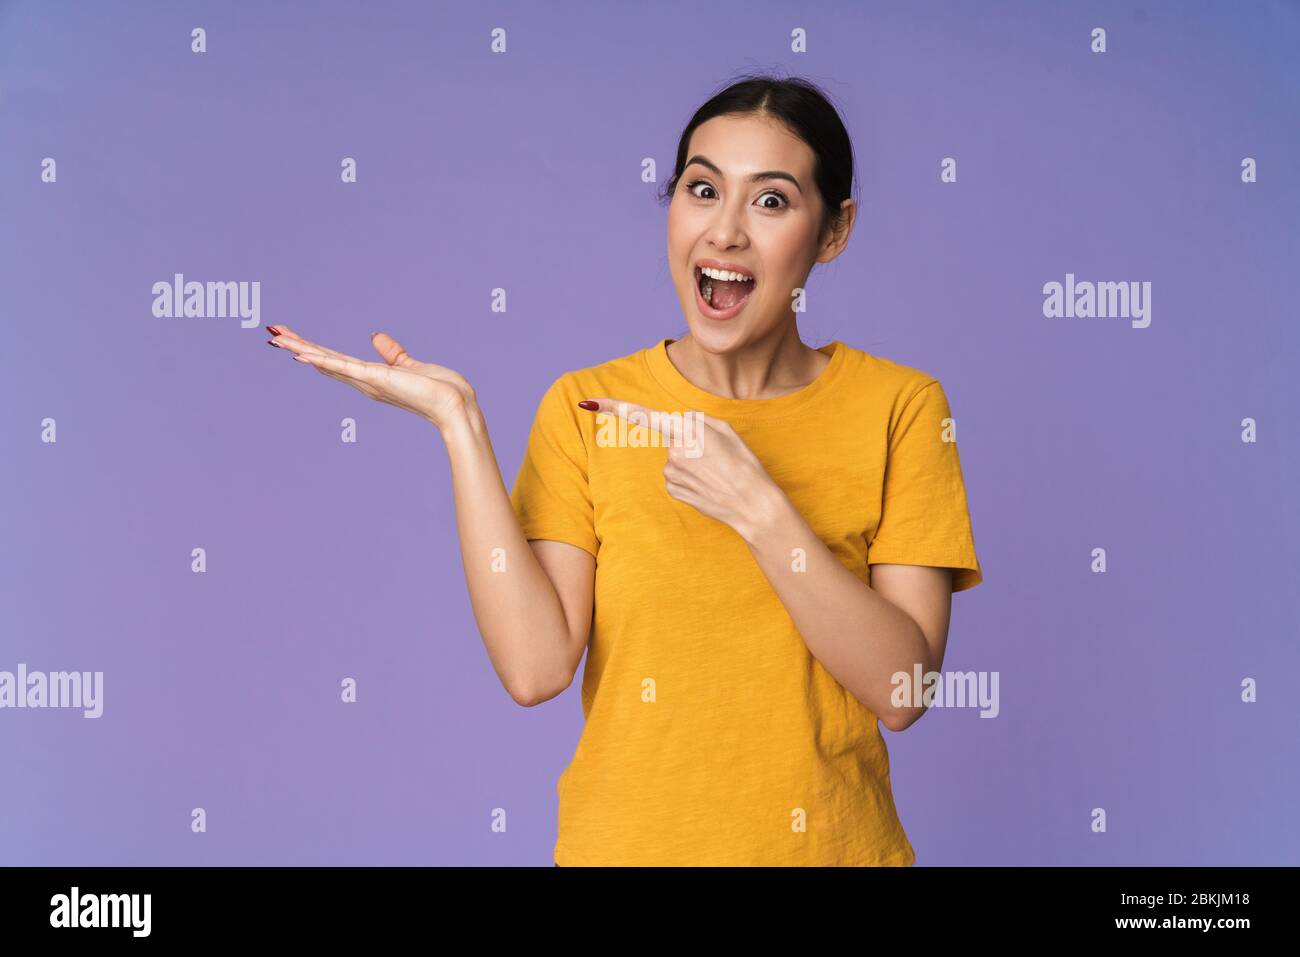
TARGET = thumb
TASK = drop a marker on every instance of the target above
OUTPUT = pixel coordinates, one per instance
(390, 349)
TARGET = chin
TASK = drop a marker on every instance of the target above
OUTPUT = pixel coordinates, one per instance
(714, 337)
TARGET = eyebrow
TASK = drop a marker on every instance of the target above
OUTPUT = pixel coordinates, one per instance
(753, 178)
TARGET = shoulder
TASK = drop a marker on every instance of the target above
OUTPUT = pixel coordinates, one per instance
(885, 383)
(608, 378)
(557, 406)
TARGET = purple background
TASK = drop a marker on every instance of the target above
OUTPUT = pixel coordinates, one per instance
(522, 170)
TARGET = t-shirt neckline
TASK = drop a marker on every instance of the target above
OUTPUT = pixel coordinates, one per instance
(693, 397)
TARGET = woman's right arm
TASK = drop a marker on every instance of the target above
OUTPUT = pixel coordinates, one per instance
(532, 600)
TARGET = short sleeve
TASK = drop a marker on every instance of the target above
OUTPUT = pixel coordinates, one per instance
(924, 519)
(552, 493)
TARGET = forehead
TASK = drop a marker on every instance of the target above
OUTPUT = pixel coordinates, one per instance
(743, 144)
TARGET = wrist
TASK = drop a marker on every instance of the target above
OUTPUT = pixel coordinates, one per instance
(767, 512)
(464, 424)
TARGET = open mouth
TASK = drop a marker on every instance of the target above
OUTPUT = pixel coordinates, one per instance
(721, 291)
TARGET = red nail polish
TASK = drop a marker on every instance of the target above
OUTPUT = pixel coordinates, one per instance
(274, 331)
(589, 405)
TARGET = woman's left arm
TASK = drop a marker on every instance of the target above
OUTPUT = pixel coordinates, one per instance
(863, 634)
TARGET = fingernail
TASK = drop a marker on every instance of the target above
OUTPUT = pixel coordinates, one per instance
(274, 331)
(373, 334)
(589, 405)
(271, 342)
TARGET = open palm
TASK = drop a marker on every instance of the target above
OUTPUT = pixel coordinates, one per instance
(432, 392)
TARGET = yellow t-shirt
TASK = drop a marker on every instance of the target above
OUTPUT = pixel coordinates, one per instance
(712, 736)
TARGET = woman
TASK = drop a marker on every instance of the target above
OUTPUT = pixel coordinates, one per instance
(755, 589)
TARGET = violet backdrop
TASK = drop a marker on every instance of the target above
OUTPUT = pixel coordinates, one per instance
(522, 170)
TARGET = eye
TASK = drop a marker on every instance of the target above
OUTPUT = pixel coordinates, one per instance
(690, 187)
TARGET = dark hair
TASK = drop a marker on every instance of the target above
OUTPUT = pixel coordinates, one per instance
(805, 110)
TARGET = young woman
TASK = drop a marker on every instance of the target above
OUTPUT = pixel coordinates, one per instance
(756, 590)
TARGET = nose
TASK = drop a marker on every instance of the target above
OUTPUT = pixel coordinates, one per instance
(727, 230)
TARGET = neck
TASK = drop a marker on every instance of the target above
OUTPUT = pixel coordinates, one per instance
(764, 368)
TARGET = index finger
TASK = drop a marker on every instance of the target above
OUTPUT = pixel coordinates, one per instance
(367, 372)
(287, 338)
(677, 427)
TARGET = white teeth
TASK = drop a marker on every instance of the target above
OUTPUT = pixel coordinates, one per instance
(725, 275)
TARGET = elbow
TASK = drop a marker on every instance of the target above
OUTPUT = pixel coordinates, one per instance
(900, 719)
(528, 697)
(523, 699)
(531, 694)
(892, 723)
(541, 681)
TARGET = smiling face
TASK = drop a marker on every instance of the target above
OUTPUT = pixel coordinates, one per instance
(766, 228)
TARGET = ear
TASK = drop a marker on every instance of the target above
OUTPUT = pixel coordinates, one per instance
(837, 235)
